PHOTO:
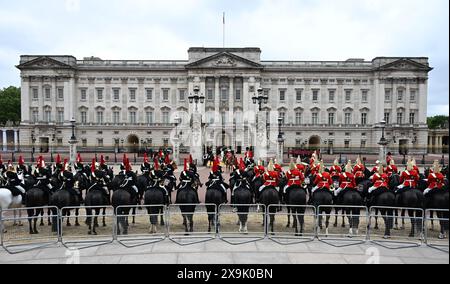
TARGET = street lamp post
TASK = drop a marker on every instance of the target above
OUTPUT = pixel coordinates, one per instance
(196, 98)
(176, 152)
(33, 149)
(280, 140)
(260, 99)
(196, 144)
(73, 142)
(383, 142)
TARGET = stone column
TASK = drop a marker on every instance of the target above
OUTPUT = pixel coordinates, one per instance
(217, 116)
(439, 144)
(231, 112)
(25, 99)
(5, 141)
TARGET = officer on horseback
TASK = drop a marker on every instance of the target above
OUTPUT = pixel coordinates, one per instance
(145, 167)
(335, 170)
(408, 178)
(346, 182)
(323, 179)
(380, 181)
(129, 182)
(294, 177)
(68, 180)
(436, 181)
(188, 178)
(13, 183)
(157, 180)
(99, 179)
(359, 170)
(215, 177)
(43, 175)
(270, 177)
(391, 169)
(240, 177)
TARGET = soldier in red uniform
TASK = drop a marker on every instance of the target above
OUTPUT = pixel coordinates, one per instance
(300, 165)
(380, 181)
(346, 182)
(323, 179)
(408, 178)
(270, 177)
(435, 180)
(391, 169)
(335, 170)
(376, 169)
(294, 177)
(359, 170)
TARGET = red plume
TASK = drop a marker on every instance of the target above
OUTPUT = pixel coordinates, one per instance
(145, 158)
(65, 164)
(156, 165)
(191, 161)
(242, 165)
(21, 161)
(128, 166)
(58, 159)
(1, 161)
(167, 160)
(125, 159)
(215, 167)
(185, 164)
(102, 160)
(161, 154)
(93, 165)
(79, 160)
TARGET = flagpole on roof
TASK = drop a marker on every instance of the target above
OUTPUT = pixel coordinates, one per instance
(223, 29)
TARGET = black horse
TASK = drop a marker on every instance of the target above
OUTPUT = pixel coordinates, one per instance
(122, 197)
(186, 195)
(154, 197)
(412, 198)
(36, 197)
(214, 196)
(296, 195)
(95, 197)
(62, 199)
(439, 200)
(270, 196)
(386, 198)
(323, 197)
(242, 196)
(353, 199)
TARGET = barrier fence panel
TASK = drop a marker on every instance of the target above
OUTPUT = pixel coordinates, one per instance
(437, 228)
(383, 231)
(149, 227)
(351, 227)
(190, 223)
(80, 237)
(16, 236)
(240, 224)
(303, 214)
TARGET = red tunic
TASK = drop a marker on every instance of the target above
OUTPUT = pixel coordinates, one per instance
(375, 169)
(295, 177)
(380, 180)
(391, 169)
(347, 180)
(335, 171)
(409, 178)
(301, 168)
(436, 181)
(315, 169)
(271, 178)
(358, 171)
(323, 180)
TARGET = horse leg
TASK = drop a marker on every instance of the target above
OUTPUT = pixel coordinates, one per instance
(327, 222)
(48, 214)
(89, 220)
(396, 220)
(185, 224)
(289, 217)
(413, 223)
(349, 214)
(302, 223)
(403, 219)
(209, 222)
(161, 211)
(191, 223)
(30, 220)
(104, 216)
(272, 221)
(376, 219)
(68, 218)
(42, 220)
(77, 213)
(336, 217)
(134, 215)
(343, 218)
(97, 213)
(432, 220)
(39, 211)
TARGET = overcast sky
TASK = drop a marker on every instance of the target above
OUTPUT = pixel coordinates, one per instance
(283, 29)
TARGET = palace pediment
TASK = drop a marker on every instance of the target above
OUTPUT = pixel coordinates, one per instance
(405, 65)
(44, 63)
(224, 60)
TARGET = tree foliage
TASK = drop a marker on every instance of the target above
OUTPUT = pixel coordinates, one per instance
(439, 121)
(10, 105)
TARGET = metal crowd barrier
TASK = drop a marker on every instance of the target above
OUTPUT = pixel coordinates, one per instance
(200, 230)
(398, 238)
(16, 238)
(343, 237)
(232, 231)
(433, 238)
(282, 232)
(143, 232)
(82, 240)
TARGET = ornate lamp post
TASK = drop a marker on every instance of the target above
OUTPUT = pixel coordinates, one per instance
(196, 144)
(280, 140)
(383, 142)
(73, 142)
(33, 149)
(260, 99)
(176, 152)
(196, 98)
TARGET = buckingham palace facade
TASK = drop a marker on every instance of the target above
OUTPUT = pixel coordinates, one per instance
(337, 106)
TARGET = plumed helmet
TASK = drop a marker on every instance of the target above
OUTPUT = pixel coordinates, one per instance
(436, 167)
(271, 166)
(292, 165)
(381, 170)
(21, 161)
(336, 162)
(392, 162)
(410, 165)
(349, 167)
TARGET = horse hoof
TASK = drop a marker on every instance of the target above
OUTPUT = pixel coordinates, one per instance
(104, 225)
(69, 225)
(386, 237)
(335, 225)
(288, 226)
(89, 233)
(376, 228)
(163, 224)
(442, 236)
(77, 224)
(411, 235)
(343, 226)
(41, 225)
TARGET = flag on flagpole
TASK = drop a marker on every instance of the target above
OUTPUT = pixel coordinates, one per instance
(224, 18)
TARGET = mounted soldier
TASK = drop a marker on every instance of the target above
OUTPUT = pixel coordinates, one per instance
(68, 180)
(346, 182)
(13, 183)
(391, 169)
(376, 169)
(129, 182)
(380, 181)
(294, 177)
(270, 177)
(216, 179)
(408, 178)
(335, 170)
(323, 179)
(436, 180)
(99, 179)
(187, 180)
(43, 175)
(358, 170)
(157, 181)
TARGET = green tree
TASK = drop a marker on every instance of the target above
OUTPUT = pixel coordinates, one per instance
(439, 121)
(10, 105)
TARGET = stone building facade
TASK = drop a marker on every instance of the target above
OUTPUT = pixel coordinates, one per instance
(337, 106)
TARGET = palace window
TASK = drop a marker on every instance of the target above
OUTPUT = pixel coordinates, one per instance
(363, 119)
(412, 118)
(61, 94)
(347, 144)
(165, 117)
(388, 95)
(348, 118)
(315, 97)
(387, 117)
(413, 95)
(83, 95)
(100, 117)
(60, 116)
(99, 94)
(283, 117)
(400, 95)
(298, 118)
(35, 93)
(116, 95)
(315, 118)
(149, 117)
(116, 117)
(299, 95)
(363, 144)
(238, 95)
(165, 95)
(182, 95)
(83, 117)
(282, 95)
(224, 95)
(132, 95)
(348, 96)
(400, 118)
(331, 94)
(210, 95)
(35, 116)
(84, 143)
(100, 142)
(132, 117)
(331, 117)
(365, 96)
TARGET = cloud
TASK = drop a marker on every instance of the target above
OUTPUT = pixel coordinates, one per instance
(283, 29)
